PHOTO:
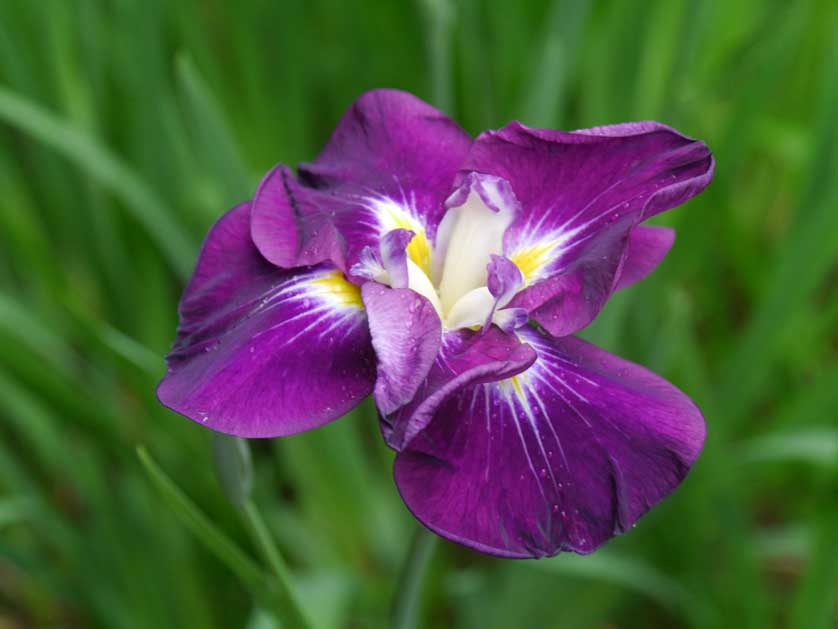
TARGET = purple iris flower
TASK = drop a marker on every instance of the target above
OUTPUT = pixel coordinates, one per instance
(446, 276)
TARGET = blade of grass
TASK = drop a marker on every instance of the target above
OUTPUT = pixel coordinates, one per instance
(439, 16)
(199, 524)
(799, 269)
(815, 604)
(626, 572)
(815, 446)
(545, 94)
(215, 140)
(225, 549)
(149, 211)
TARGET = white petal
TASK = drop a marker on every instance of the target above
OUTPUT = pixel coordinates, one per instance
(471, 309)
(421, 283)
(475, 232)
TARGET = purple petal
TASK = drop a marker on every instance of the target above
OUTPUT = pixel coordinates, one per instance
(560, 458)
(505, 278)
(495, 192)
(394, 256)
(389, 164)
(581, 195)
(647, 247)
(466, 357)
(509, 319)
(406, 334)
(291, 225)
(566, 302)
(263, 352)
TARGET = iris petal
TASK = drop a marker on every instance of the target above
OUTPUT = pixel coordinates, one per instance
(388, 165)
(581, 194)
(480, 211)
(263, 352)
(562, 456)
(406, 333)
(647, 247)
(465, 357)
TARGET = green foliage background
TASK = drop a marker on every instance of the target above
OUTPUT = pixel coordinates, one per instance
(128, 126)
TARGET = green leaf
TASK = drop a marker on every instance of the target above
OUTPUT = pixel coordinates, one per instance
(143, 204)
(626, 572)
(233, 467)
(200, 525)
(215, 140)
(816, 446)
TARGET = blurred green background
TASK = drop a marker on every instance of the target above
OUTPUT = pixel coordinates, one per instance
(128, 126)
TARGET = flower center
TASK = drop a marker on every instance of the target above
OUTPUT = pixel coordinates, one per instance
(467, 236)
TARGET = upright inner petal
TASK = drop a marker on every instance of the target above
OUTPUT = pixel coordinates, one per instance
(419, 281)
(457, 274)
(471, 309)
(476, 232)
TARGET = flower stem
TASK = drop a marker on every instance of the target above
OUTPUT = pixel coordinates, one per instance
(406, 602)
(291, 613)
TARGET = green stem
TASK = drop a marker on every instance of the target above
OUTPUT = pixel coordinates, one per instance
(287, 601)
(406, 602)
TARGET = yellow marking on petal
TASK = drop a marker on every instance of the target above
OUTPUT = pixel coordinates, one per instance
(519, 384)
(334, 285)
(530, 260)
(419, 249)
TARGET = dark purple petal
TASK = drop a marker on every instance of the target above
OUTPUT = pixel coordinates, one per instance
(559, 458)
(406, 334)
(465, 357)
(389, 164)
(581, 194)
(566, 302)
(263, 352)
(291, 224)
(647, 247)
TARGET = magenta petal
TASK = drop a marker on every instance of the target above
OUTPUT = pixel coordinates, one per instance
(466, 357)
(581, 194)
(504, 278)
(647, 247)
(263, 352)
(566, 302)
(406, 333)
(291, 225)
(394, 256)
(396, 145)
(566, 455)
(390, 163)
